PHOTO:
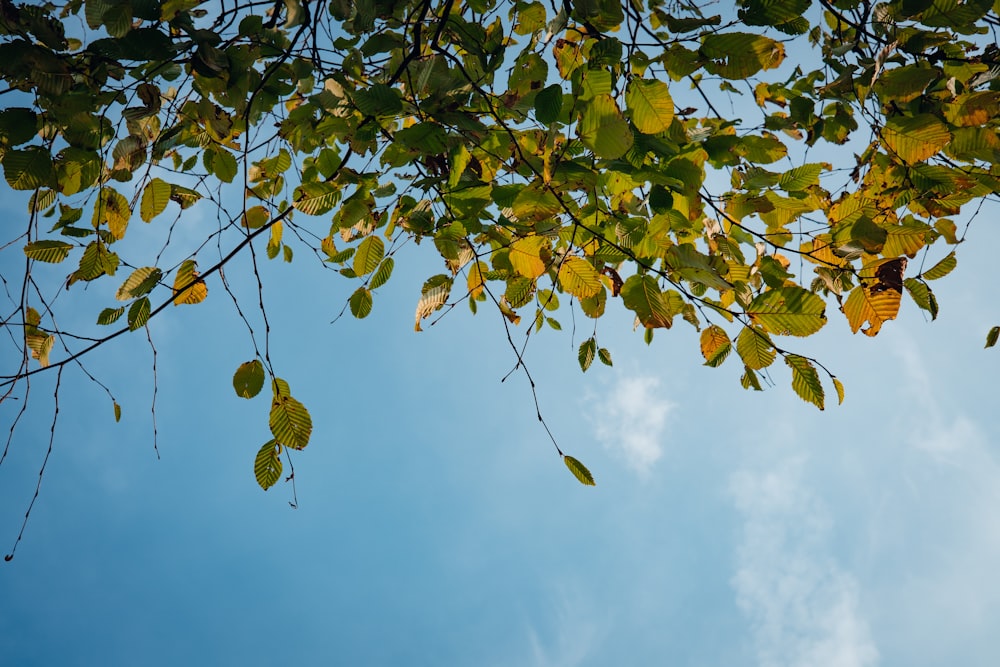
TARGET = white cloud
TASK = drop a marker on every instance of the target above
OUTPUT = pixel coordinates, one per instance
(632, 419)
(803, 607)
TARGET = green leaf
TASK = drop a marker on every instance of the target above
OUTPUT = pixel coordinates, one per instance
(805, 380)
(942, 268)
(361, 303)
(140, 283)
(588, 349)
(381, 277)
(248, 379)
(110, 315)
(579, 470)
(548, 104)
(267, 465)
(755, 348)
(604, 356)
(27, 169)
(52, 252)
(788, 311)
(642, 295)
(650, 105)
(138, 314)
(155, 197)
(369, 255)
(992, 336)
(603, 129)
(290, 422)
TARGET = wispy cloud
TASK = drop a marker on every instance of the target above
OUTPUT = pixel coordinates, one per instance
(632, 419)
(803, 606)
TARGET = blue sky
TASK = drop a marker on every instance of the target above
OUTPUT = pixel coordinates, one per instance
(436, 525)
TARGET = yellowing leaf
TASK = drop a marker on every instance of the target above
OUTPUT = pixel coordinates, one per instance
(579, 277)
(368, 256)
(477, 279)
(140, 283)
(579, 471)
(650, 105)
(788, 311)
(155, 197)
(875, 308)
(290, 422)
(642, 295)
(267, 464)
(188, 287)
(915, 138)
(603, 129)
(526, 255)
(52, 252)
(755, 348)
(715, 345)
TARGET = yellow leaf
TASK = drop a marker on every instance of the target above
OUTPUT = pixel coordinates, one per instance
(579, 277)
(188, 287)
(526, 255)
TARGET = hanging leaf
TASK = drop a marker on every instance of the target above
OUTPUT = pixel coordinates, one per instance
(755, 348)
(942, 268)
(361, 303)
(805, 380)
(138, 314)
(155, 197)
(715, 345)
(110, 315)
(368, 256)
(605, 356)
(992, 336)
(579, 470)
(290, 422)
(839, 386)
(188, 287)
(267, 464)
(642, 295)
(118, 411)
(585, 355)
(248, 379)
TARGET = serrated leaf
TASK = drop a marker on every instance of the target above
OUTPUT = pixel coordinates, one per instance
(110, 315)
(876, 308)
(579, 470)
(188, 287)
(603, 129)
(604, 356)
(155, 197)
(839, 386)
(476, 281)
(921, 295)
(915, 138)
(52, 252)
(788, 311)
(586, 353)
(139, 283)
(715, 345)
(248, 379)
(992, 336)
(267, 465)
(138, 314)
(579, 277)
(942, 268)
(383, 274)
(433, 295)
(361, 303)
(755, 348)
(526, 256)
(805, 380)
(369, 255)
(290, 422)
(650, 105)
(641, 295)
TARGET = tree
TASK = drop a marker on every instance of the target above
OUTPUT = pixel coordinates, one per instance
(561, 156)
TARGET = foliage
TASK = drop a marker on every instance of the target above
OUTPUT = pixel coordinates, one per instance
(570, 155)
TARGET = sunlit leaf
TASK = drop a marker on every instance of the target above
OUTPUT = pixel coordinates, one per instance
(49, 251)
(791, 311)
(715, 345)
(248, 379)
(579, 471)
(805, 380)
(267, 464)
(188, 287)
(155, 197)
(942, 268)
(290, 422)
(586, 353)
(361, 303)
(579, 277)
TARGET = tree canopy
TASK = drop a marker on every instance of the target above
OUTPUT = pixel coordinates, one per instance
(749, 169)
